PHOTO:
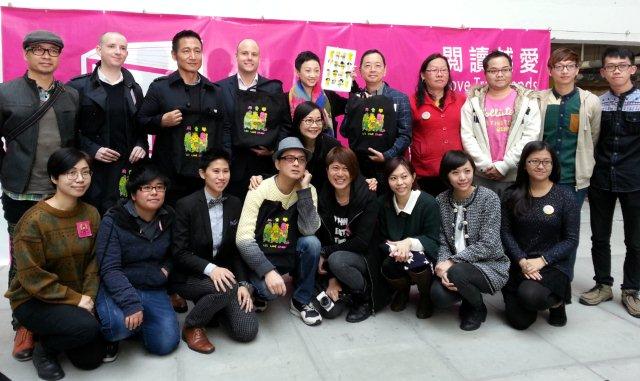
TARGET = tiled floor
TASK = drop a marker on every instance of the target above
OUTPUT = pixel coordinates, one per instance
(598, 343)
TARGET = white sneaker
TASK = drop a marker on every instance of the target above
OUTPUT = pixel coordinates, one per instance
(307, 312)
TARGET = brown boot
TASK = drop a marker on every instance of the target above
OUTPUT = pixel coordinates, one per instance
(178, 303)
(401, 295)
(196, 339)
(23, 345)
(423, 282)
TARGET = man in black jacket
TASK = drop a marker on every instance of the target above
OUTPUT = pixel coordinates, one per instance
(185, 112)
(37, 116)
(109, 100)
(252, 159)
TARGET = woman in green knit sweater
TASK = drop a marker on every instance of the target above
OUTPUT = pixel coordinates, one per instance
(410, 226)
(56, 282)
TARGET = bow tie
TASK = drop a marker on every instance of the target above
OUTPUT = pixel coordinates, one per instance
(216, 201)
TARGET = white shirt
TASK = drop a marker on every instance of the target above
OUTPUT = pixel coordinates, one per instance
(104, 78)
(416, 245)
(244, 87)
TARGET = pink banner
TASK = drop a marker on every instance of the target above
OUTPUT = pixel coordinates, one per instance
(149, 37)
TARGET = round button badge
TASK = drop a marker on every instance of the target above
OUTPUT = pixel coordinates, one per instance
(426, 115)
(548, 209)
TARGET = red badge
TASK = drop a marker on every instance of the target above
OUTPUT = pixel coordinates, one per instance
(84, 229)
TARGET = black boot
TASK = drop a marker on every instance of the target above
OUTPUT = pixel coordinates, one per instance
(423, 282)
(360, 308)
(401, 295)
(558, 316)
(472, 318)
(46, 364)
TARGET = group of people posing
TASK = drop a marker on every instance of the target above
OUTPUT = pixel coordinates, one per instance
(458, 195)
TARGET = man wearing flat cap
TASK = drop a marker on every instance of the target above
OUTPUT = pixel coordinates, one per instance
(37, 116)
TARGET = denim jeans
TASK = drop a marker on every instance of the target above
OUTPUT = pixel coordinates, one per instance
(304, 273)
(159, 330)
(602, 204)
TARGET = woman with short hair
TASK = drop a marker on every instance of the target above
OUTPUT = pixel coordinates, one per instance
(471, 261)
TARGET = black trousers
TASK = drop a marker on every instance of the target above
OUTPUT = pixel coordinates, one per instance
(602, 205)
(13, 211)
(522, 306)
(470, 282)
(64, 328)
(242, 326)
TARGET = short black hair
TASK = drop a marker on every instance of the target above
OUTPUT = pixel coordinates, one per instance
(63, 159)
(495, 54)
(175, 41)
(143, 173)
(452, 160)
(618, 52)
(212, 155)
(372, 51)
(304, 57)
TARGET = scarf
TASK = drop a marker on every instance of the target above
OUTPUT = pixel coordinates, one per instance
(297, 95)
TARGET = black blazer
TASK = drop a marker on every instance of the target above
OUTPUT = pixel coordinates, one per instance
(192, 241)
(229, 91)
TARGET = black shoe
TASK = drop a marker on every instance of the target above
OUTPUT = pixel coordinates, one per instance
(360, 308)
(558, 316)
(259, 305)
(111, 353)
(47, 365)
(472, 318)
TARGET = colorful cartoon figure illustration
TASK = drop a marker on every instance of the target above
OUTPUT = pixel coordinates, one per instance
(373, 121)
(122, 184)
(196, 140)
(255, 120)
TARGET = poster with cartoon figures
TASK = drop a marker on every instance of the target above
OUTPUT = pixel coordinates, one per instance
(338, 66)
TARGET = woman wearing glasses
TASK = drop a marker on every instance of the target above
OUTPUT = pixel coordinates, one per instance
(132, 249)
(56, 282)
(308, 122)
(540, 222)
(435, 111)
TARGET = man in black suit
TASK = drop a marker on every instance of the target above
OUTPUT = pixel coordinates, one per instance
(209, 269)
(251, 148)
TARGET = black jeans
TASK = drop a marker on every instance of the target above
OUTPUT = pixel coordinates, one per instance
(64, 328)
(602, 204)
(13, 211)
(470, 282)
(349, 268)
(522, 306)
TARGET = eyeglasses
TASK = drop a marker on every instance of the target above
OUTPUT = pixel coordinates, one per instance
(504, 70)
(311, 122)
(535, 162)
(437, 71)
(149, 188)
(569, 67)
(370, 66)
(292, 159)
(623, 67)
(40, 51)
(73, 175)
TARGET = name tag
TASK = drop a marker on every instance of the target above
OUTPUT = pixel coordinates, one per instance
(83, 228)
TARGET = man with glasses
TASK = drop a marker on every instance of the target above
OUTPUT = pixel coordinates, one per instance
(276, 232)
(497, 120)
(109, 100)
(615, 177)
(37, 116)
(570, 122)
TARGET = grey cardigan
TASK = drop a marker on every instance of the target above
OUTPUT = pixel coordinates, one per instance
(482, 234)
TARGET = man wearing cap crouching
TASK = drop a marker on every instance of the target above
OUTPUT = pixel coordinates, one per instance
(276, 232)
(37, 116)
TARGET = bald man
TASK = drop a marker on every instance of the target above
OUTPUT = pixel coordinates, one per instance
(252, 147)
(109, 100)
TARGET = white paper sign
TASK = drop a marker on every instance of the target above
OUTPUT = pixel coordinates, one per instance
(338, 65)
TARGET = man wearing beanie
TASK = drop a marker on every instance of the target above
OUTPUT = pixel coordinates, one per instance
(276, 232)
(37, 116)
